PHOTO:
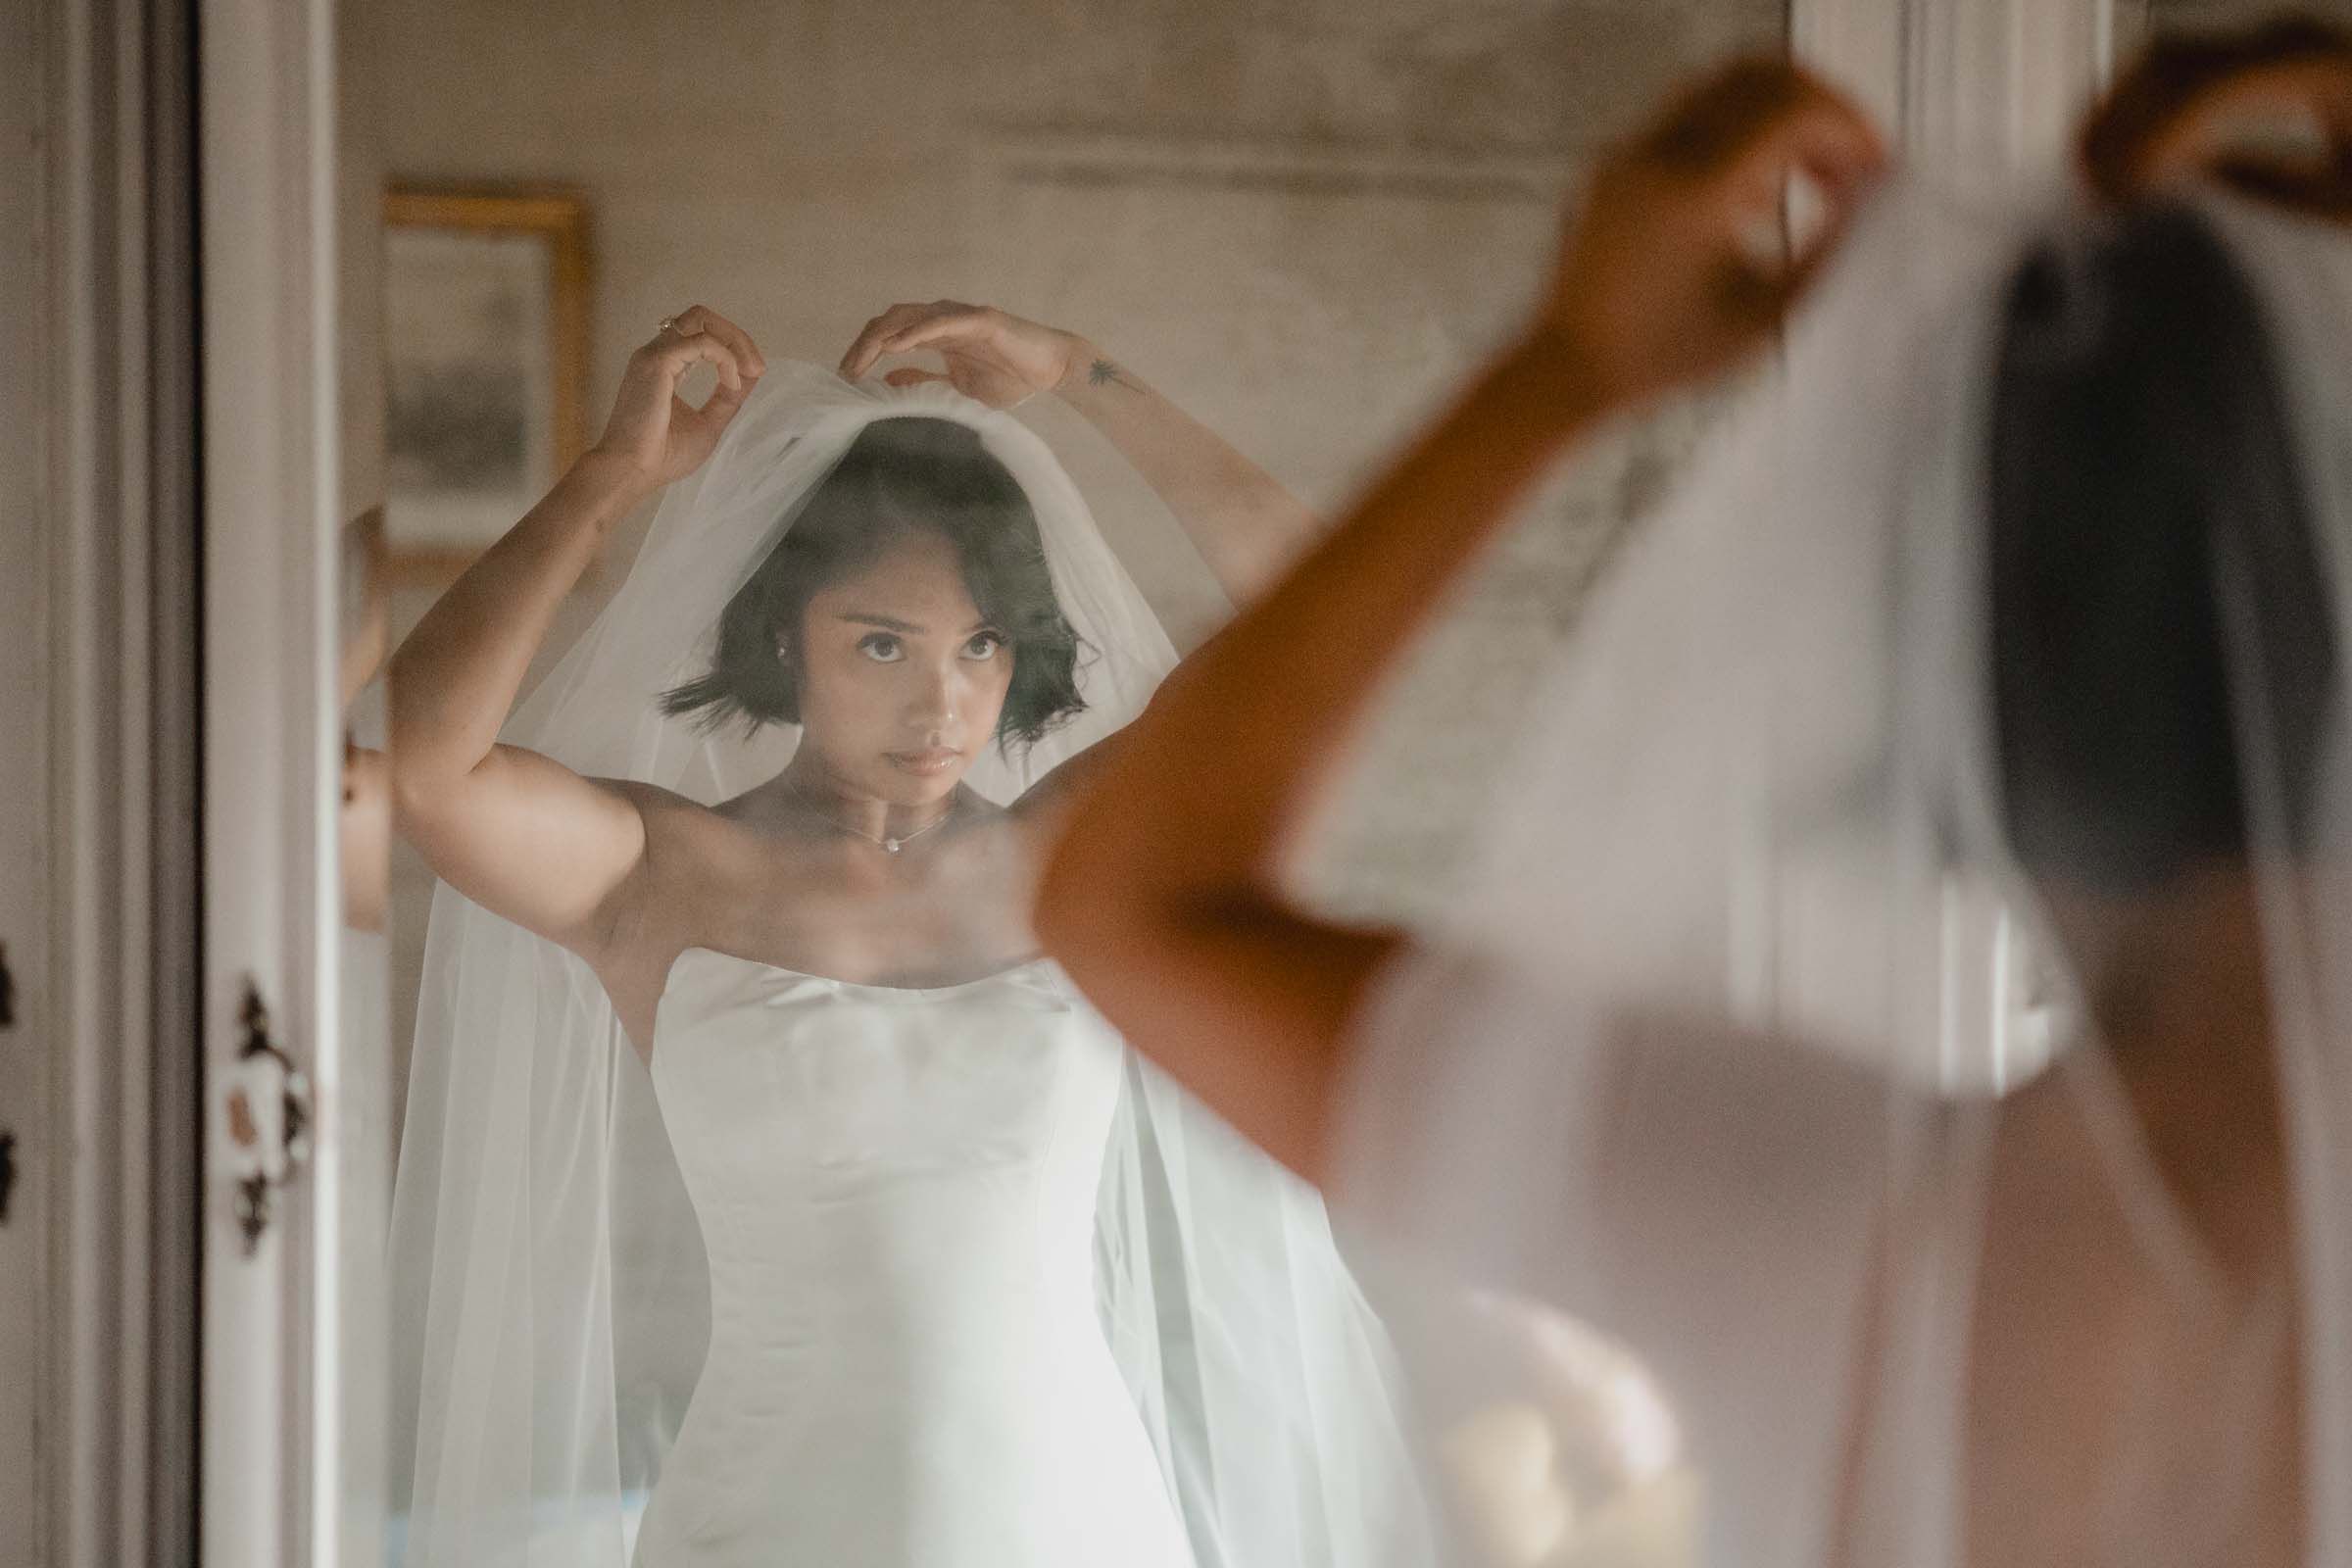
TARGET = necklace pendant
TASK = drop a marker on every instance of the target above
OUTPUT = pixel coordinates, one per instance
(890, 846)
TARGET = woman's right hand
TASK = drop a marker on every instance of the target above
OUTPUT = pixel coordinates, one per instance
(1671, 270)
(659, 435)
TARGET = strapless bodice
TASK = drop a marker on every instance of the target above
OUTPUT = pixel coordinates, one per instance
(896, 1192)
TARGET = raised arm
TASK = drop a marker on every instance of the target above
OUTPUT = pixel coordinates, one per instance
(511, 829)
(1246, 525)
(1164, 898)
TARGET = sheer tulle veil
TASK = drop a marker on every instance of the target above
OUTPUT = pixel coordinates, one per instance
(549, 1317)
(1763, 791)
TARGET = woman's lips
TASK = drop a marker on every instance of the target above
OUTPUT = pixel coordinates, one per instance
(925, 763)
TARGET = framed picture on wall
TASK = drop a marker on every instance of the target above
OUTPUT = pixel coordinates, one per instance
(485, 314)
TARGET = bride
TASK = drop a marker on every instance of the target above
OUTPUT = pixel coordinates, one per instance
(1984, 689)
(764, 844)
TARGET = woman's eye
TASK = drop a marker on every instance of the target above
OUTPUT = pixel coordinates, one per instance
(882, 648)
(984, 646)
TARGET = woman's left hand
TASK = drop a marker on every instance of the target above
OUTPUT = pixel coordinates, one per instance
(2266, 112)
(992, 355)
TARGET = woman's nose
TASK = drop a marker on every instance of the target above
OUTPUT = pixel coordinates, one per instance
(933, 703)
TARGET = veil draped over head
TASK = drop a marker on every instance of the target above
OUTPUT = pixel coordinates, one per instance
(550, 1297)
(1764, 796)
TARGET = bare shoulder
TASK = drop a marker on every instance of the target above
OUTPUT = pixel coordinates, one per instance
(663, 810)
(681, 848)
(651, 917)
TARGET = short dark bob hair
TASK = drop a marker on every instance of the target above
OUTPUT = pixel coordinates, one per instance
(2141, 446)
(902, 478)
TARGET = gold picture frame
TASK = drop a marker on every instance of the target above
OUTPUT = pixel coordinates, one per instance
(485, 313)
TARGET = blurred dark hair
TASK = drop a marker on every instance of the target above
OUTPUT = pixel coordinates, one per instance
(902, 478)
(2155, 590)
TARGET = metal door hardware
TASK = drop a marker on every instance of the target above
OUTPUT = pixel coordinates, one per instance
(269, 1120)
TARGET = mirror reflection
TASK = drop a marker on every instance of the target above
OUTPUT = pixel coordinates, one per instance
(806, 435)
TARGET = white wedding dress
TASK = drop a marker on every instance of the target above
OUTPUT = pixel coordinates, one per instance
(984, 1289)
(896, 1192)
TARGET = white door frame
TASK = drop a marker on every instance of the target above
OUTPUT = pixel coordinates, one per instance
(271, 1422)
(1972, 91)
(1971, 86)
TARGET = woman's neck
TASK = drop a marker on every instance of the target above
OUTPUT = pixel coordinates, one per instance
(816, 790)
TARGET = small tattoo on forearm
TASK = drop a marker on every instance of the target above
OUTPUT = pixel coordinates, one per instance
(1106, 373)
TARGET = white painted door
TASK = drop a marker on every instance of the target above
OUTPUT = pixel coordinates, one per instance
(272, 1423)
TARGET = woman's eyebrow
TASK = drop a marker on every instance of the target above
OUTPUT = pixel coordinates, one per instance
(865, 617)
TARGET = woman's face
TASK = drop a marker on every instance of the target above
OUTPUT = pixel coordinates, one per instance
(900, 678)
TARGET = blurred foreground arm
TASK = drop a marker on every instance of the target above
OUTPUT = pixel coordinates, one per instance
(1164, 899)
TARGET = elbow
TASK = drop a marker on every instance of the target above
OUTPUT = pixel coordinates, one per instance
(1124, 878)
(1077, 897)
(423, 787)
(420, 797)
(422, 771)
(1101, 896)
(1134, 863)
(415, 783)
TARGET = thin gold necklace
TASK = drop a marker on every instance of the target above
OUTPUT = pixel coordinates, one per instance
(888, 843)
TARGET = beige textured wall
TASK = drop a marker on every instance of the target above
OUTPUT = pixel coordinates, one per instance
(1302, 221)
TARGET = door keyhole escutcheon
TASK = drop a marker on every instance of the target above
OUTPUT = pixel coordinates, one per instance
(268, 1121)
